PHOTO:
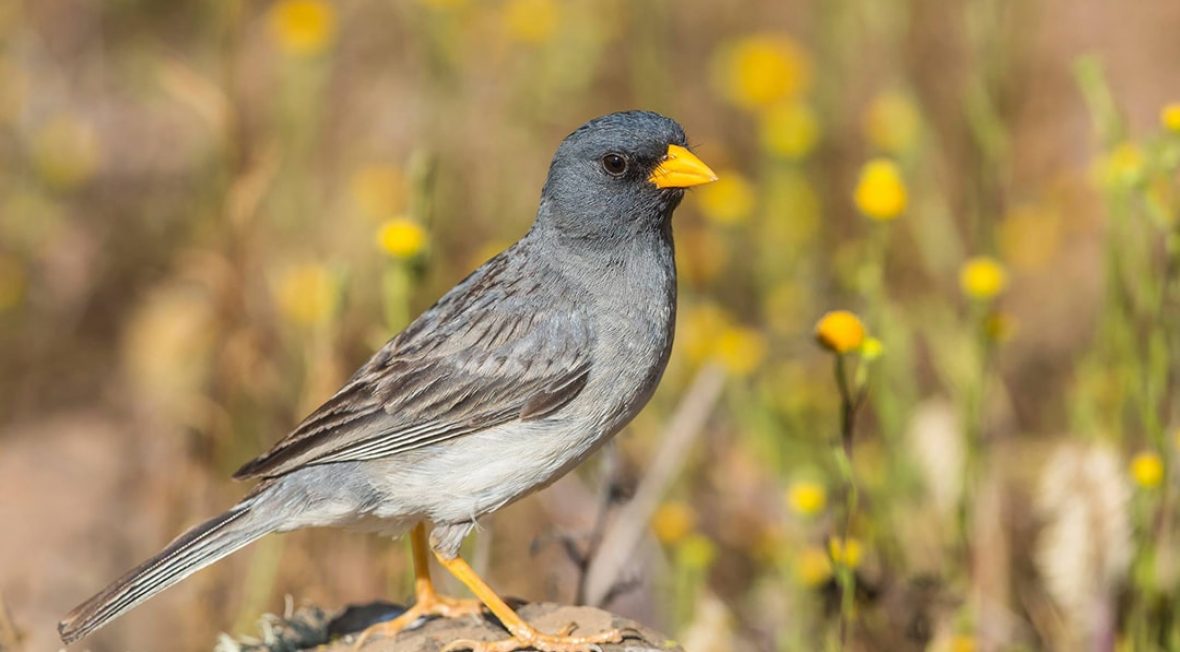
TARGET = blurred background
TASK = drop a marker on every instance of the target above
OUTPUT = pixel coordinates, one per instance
(212, 212)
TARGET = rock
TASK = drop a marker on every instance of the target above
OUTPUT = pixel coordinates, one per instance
(310, 628)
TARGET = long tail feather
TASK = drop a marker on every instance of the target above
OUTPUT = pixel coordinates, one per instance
(192, 551)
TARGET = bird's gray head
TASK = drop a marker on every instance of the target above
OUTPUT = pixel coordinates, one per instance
(618, 175)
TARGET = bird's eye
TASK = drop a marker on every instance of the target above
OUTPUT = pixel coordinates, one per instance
(614, 164)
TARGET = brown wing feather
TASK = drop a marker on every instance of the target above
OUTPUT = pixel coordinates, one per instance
(471, 362)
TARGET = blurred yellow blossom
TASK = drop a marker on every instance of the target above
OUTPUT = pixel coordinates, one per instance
(840, 331)
(1123, 165)
(759, 71)
(891, 123)
(303, 27)
(1170, 117)
(307, 294)
(846, 552)
(790, 129)
(673, 521)
(700, 327)
(806, 497)
(961, 643)
(812, 566)
(740, 350)
(728, 200)
(982, 277)
(872, 349)
(1029, 236)
(401, 237)
(1147, 469)
(65, 151)
(12, 282)
(697, 551)
(531, 21)
(881, 191)
(378, 190)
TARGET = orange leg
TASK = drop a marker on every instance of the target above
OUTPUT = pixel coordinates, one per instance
(524, 635)
(427, 601)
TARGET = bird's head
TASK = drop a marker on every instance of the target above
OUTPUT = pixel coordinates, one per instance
(619, 174)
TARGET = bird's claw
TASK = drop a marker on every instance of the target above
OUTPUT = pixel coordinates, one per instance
(432, 606)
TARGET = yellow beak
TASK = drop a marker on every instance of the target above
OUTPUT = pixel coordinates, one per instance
(681, 169)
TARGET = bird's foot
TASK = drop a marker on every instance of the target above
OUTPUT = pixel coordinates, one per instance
(427, 605)
(531, 639)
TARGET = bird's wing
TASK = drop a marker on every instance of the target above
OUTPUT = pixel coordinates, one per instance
(487, 353)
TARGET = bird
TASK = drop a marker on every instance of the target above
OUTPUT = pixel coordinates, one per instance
(511, 379)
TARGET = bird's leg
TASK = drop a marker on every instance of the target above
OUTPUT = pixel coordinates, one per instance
(524, 635)
(427, 601)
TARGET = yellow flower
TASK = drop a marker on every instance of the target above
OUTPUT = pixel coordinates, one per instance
(65, 152)
(812, 566)
(846, 552)
(982, 277)
(840, 331)
(378, 190)
(891, 123)
(697, 551)
(307, 294)
(1147, 469)
(1123, 166)
(673, 521)
(762, 70)
(1170, 117)
(12, 282)
(790, 130)
(961, 643)
(728, 200)
(703, 323)
(303, 27)
(401, 238)
(531, 21)
(740, 350)
(872, 349)
(881, 192)
(806, 498)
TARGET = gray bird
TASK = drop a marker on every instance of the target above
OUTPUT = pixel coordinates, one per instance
(512, 378)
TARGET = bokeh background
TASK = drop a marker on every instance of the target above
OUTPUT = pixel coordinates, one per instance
(211, 212)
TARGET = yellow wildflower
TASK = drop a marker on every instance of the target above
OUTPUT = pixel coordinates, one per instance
(307, 294)
(881, 191)
(806, 498)
(871, 349)
(846, 552)
(702, 324)
(759, 71)
(961, 643)
(378, 190)
(790, 130)
(12, 282)
(891, 123)
(728, 200)
(1170, 117)
(840, 331)
(531, 21)
(673, 521)
(1147, 469)
(65, 151)
(1123, 166)
(697, 551)
(303, 27)
(982, 277)
(740, 350)
(401, 237)
(812, 566)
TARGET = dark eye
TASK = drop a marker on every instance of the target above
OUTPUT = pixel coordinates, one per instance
(614, 164)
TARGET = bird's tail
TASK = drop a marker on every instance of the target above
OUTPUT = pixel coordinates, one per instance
(192, 551)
